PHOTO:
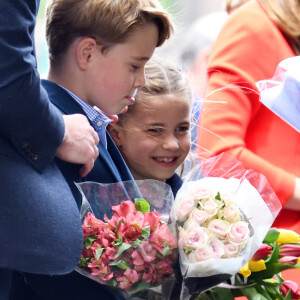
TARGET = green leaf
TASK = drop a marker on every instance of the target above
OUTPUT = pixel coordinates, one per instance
(83, 262)
(252, 294)
(288, 295)
(141, 205)
(136, 243)
(218, 196)
(89, 241)
(146, 232)
(222, 294)
(99, 252)
(122, 248)
(166, 251)
(121, 264)
(271, 270)
(272, 236)
(274, 255)
(118, 243)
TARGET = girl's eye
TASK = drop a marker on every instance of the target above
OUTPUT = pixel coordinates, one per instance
(155, 130)
(182, 128)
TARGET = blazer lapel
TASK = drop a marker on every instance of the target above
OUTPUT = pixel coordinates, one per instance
(64, 101)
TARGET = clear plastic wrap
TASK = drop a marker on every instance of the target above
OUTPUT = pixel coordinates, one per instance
(281, 92)
(127, 248)
(222, 177)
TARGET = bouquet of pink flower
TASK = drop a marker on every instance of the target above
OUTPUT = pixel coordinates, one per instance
(223, 213)
(131, 247)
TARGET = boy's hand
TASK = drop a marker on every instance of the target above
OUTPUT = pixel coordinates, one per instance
(80, 143)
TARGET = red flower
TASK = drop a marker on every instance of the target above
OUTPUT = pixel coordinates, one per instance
(263, 251)
(289, 250)
(292, 286)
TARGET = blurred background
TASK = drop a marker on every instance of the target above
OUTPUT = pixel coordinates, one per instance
(186, 13)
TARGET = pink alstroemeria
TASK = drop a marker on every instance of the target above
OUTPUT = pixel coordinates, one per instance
(137, 257)
(163, 237)
(124, 208)
(147, 251)
(126, 281)
(292, 286)
(152, 219)
(91, 225)
(163, 268)
(263, 252)
(134, 224)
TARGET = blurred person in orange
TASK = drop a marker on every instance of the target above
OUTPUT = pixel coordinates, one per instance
(255, 38)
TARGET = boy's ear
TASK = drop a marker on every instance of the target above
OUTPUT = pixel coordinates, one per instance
(84, 51)
(114, 131)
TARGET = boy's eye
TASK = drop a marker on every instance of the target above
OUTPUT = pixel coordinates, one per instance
(134, 67)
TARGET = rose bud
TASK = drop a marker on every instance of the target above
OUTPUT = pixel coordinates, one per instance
(263, 251)
(292, 286)
(287, 236)
(289, 250)
(290, 260)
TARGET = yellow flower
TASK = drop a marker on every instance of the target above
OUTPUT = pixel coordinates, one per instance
(256, 266)
(288, 236)
(245, 271)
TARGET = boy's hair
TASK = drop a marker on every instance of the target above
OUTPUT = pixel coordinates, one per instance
(162, 78)
(108, 22)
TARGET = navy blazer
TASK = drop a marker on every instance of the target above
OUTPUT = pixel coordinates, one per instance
(39, 219)
(109, 167)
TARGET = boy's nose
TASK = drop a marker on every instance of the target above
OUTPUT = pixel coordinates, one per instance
(141, 79)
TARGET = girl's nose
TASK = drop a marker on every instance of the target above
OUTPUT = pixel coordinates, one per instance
(170, 142)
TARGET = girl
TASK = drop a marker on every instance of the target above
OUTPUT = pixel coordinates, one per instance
(154, 134)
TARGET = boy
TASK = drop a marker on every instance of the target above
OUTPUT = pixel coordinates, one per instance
(98, 50)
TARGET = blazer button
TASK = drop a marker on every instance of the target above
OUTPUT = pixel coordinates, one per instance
(26, 147)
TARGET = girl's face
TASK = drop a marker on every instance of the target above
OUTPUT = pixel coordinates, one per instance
(155, 138)
(115, 74)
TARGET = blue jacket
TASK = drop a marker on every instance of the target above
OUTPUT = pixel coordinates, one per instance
(39, 218)
(109, 167)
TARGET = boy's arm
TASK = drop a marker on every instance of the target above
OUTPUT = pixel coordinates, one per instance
(27, 118)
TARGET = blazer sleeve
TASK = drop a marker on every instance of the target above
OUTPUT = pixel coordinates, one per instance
(248, 49)
(27, 118)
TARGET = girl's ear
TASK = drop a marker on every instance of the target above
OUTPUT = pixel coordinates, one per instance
(84, 51)
(115, 132)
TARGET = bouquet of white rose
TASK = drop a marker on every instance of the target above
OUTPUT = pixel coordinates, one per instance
(223, 213)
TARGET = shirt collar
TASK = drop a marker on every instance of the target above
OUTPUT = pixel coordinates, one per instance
(98, 119)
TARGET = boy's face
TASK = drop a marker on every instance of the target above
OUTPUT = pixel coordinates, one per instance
(155, 139)
(114, 75)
